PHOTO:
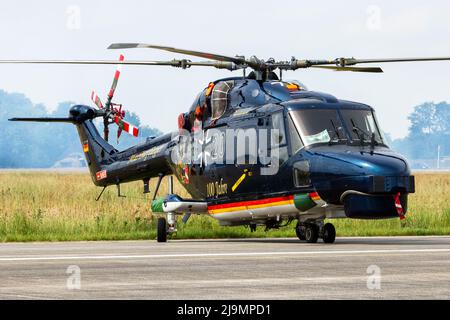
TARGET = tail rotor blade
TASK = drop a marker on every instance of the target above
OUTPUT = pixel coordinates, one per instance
(127, 127)
(96, 99)
(116, 78)
(119, 132)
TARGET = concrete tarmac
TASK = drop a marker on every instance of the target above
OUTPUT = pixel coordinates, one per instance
(352, 268)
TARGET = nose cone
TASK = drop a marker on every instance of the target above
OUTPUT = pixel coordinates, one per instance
(382, 162)
(381, 171)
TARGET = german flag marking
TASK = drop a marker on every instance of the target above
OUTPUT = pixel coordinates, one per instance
(314, 196)
(249, 205)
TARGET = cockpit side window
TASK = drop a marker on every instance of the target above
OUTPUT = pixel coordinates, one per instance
(219, 98)
(279, 133)
(278, 137)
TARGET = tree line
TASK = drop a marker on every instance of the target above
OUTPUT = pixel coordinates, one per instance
(429, 128)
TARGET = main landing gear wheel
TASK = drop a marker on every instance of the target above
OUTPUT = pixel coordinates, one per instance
(162, 230)
(328, 233)
(311, 233)
(300, 231)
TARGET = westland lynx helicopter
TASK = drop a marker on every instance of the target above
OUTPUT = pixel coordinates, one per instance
(296, 154)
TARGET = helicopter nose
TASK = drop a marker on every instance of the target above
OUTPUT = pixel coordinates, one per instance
(333, 173)
(352, 162)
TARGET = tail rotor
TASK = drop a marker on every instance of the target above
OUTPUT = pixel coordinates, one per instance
(112, 112)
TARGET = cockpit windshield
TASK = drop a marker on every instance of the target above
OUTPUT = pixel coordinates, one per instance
(362, 125)
(328, 126)
(318, 125)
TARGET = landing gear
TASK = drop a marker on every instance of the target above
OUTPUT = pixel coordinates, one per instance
(166, 227)
(300, 231)
(307, 231)
(312, 231)
(328, 233)
(162, 230)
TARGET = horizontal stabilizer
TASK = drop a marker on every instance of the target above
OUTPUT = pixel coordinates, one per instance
(43, 119)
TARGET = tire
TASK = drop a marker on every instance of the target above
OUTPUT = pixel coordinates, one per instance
(329, 233)
(311, 233)
(162, 230)
(300, 232)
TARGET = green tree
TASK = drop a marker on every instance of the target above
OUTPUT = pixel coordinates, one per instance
(430, 127)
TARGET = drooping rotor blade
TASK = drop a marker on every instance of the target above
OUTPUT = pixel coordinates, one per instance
(351, 69)
(96, 99)
(42, 119)
(127, 127)
(173, 63)
(206, 55)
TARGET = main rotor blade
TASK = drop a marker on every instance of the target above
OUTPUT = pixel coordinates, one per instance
(207, 55)
(95, 62)
(358, 61)
(345, 62)
(173, 63)
(351, 69)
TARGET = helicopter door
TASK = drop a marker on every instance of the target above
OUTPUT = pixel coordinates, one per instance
(245, 177)
(278, 147)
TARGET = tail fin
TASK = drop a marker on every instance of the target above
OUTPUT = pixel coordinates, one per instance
(97, 151)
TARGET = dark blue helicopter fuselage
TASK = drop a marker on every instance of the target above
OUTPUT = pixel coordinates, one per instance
(361, 176)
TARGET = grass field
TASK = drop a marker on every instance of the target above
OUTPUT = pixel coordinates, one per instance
(51, 206)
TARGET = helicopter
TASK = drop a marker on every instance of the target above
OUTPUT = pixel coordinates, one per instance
(253, 150)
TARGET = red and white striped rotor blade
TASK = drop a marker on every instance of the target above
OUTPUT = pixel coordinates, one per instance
(116, 78)
(127, 127)
(96, 99)
(119, 132)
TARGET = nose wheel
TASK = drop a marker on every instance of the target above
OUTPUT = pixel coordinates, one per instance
(311, 232)
(162, 230)
(166, 226)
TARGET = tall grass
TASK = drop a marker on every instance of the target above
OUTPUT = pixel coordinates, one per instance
(51, 206)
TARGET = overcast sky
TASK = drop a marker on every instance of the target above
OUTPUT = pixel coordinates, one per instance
(305, 29)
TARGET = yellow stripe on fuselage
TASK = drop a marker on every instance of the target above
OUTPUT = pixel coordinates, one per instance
(251, 207)
(239, 182)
